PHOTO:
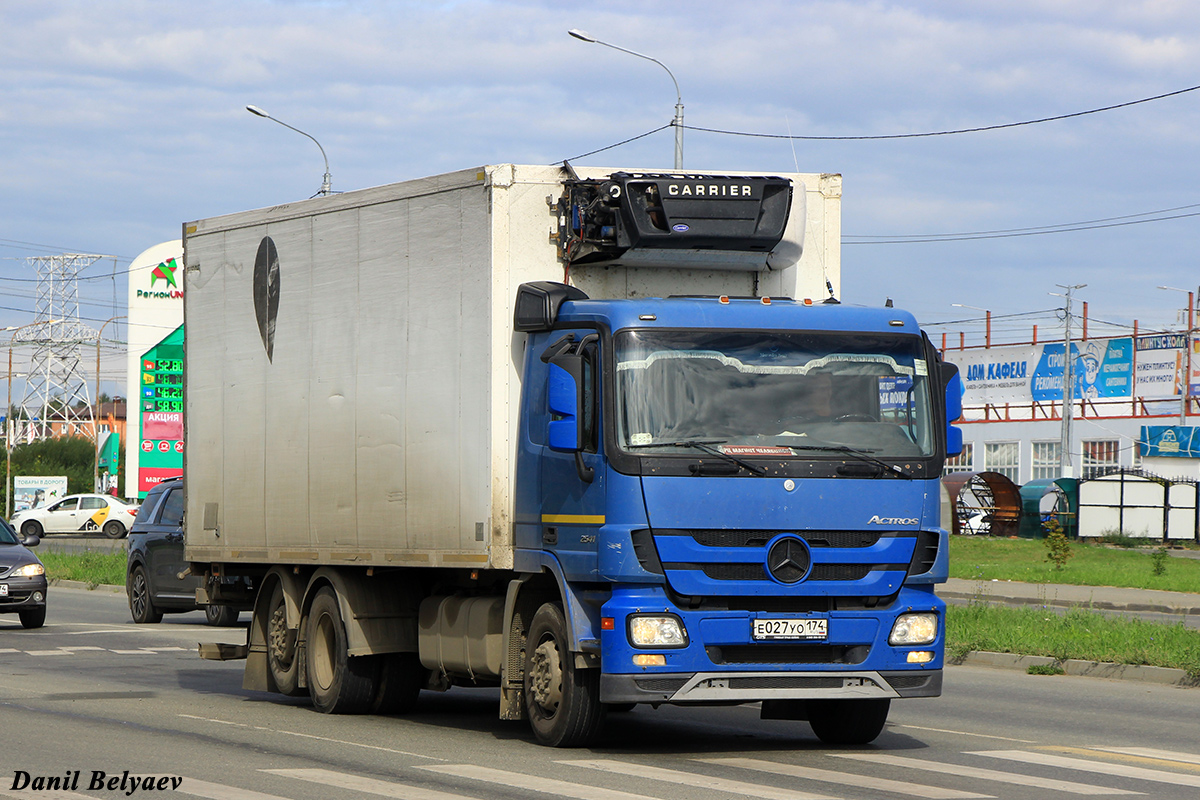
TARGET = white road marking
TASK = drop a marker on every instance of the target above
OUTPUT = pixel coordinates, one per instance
(217, 791)
(309, 736)
(532, 783)
(1147, 752)
(697, 781)
(965, 733)
(82, 647)
(48, 653)
(981, 774)
(1102, 767)
(47, 794)
(358, 783)
(845, 778)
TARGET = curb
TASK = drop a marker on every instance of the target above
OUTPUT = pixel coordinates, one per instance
(1104, 605)
(1163, 676)
(89, 587)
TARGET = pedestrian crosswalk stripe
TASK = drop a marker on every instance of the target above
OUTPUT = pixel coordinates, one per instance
(1102, 767)
(846, 779)
(359, 783)
(47, 794)
(217, 791)
(981, 774)
(1148, 752)
(533, 783)
(697, 781)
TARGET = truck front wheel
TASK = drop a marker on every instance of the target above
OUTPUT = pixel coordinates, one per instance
(562, 700)
(337, 683)
(848, 721)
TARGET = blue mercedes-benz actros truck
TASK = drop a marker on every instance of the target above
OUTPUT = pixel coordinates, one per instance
(597, 438)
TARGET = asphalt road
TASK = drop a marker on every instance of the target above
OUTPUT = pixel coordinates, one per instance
(93, 693)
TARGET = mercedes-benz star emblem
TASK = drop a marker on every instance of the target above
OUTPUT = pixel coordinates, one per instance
(788, 560)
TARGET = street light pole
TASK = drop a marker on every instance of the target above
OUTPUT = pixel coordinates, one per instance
(1068, 410)
(677, 123)
(1185, 384)
(988, 339)
(95, 421)
(326, 187)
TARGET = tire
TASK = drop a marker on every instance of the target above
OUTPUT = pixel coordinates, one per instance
(282, 664)
(32, 528)
(113, 529)
(337, 683)
(562, 701)
(399, 683)
(141, 605)
(220, 616)
(848, 721)
(33, 618)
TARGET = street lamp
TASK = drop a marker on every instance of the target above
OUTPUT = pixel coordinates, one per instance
(1065, 468)
(1187, 344)
(95, 421)
(678, 121)
(989, 319)
(325, 182)
(8, 427)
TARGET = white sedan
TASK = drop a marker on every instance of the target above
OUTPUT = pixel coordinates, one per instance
(78, 513)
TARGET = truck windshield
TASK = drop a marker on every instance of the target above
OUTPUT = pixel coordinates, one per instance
(773, 394)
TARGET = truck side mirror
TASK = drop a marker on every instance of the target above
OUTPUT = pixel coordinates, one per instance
(953, 387)
(564, 402)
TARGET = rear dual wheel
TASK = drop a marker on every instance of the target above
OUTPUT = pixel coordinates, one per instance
(337, 682)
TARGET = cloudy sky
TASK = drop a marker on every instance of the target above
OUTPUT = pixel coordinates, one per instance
(120, 120)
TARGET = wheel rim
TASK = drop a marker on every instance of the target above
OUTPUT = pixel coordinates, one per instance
(277, 638)
(324, 641)
(545, 678)
(139, 594)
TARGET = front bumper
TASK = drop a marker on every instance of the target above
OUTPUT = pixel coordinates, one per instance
(721, 662)
(750, 687)
(23, 594)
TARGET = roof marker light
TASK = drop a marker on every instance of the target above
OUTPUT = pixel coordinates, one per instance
(766, 301)
(723, 299)
(808, 301)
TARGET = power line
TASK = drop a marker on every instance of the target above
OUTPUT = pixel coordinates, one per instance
(1043, 231)
(979, 129)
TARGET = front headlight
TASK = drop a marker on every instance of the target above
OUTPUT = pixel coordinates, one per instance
(29, 571)
(664, 630)
(919, 628)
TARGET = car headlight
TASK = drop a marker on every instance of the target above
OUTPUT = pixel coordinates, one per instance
(919, 628)
(29, 570)
(663, 630)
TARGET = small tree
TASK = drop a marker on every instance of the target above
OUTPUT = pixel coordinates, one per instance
(1058, 547)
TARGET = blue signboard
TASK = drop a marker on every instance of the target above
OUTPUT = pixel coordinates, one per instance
(1170, 441)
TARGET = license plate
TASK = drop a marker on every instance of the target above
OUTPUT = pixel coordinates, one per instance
(789, 629)
(3, 590)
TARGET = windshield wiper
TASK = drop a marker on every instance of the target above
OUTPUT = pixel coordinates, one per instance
(706, 445)
(861, 454)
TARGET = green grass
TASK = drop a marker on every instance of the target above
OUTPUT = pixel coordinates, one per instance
(1079, 633)
(984, 558)
(92, 567)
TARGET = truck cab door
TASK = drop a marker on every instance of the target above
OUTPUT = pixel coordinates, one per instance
(572, 473)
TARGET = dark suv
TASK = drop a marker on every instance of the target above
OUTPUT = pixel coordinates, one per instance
(156, 577)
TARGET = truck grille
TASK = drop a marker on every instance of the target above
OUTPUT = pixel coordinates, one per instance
(756, 572)
(822, 563)
(788, 654)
